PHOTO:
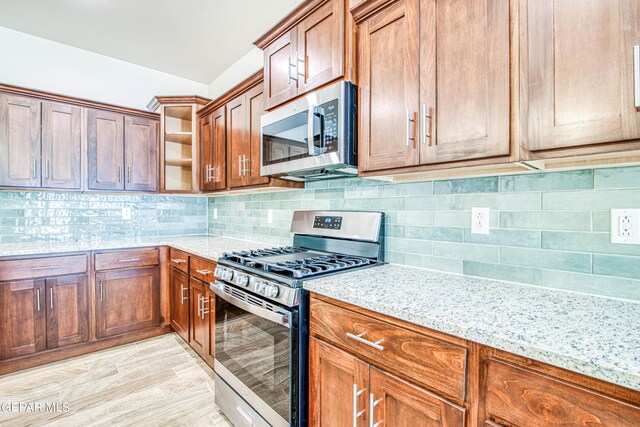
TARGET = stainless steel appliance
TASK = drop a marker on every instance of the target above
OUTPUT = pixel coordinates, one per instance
(262, 313)
(312, 138)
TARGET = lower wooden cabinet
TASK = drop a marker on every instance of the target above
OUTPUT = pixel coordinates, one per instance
(347, 391)
(42, 314)
(210, 311)
(199, 340)
(180, 308)
(127, 300)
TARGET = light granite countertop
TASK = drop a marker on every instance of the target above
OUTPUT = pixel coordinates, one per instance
(205, 246)
(591, 335)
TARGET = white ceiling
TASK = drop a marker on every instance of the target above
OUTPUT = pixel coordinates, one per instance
(194, 39)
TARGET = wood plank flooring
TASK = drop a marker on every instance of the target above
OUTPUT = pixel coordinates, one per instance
(156, 382)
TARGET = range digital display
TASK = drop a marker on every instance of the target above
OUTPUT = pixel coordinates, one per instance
(328, 222)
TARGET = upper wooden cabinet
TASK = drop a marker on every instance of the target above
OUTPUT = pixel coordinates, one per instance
(122, 152)
(141, 153)
(577, 84)
(306, 50)
(19, 141)
(61, 145)
(431, 92)
(213, 143)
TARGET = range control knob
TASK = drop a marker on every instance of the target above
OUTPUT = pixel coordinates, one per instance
(242, 280)
(272, 291)
(260, 287)
(218, 272)
(227, 274)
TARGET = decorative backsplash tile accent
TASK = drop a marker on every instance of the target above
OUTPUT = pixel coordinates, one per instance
(47, 216)
(549, 229)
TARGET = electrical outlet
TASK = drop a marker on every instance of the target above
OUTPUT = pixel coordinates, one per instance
(126, 214)
(480, 220)
(625, 225)
(215, 213)
(269, 216)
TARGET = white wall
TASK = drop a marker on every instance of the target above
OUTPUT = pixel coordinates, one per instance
(236, 73)
(42, 64)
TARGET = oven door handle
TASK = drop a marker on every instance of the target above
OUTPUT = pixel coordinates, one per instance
(279, 318)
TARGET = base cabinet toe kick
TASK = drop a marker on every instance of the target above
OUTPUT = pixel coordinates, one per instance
(368, 369)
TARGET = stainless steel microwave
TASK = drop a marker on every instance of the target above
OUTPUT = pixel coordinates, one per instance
(312, 138)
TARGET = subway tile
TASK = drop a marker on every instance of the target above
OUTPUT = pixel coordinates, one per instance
(620, 266)
(397, 203)
(331, 193)
(466, 185)
(548, 181)
(546, 220)
(586, 242)
(444, 202)
(601, 221)
(502, 272)
(412, 189)
(591, 200)
(467, 251)
(625, 177)
(543, 258)
(416, 217)
(449, 234)
(409, 246)
(592, 284)
(505, 237)
(451, 265)
(504, 201)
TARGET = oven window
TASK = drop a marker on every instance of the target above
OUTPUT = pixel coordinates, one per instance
(257, 352)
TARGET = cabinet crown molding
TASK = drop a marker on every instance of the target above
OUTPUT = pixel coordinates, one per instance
(232, 93)
(367, 8)
(292, 19)
(156, 101)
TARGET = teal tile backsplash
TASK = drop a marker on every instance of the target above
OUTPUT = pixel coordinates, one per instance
(549, 229)
(39, 216)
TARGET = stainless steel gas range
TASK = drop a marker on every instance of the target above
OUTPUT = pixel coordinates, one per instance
(262, 313)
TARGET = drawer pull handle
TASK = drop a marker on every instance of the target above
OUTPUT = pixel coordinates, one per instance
(244, 414)
(359, 338)
(129, 260)
(101, 291)
(182, 297)
(178, 260)
(203, 272)
(204, 301)
(38, 292)
(51, 294)
(45, 267)
(372, 409)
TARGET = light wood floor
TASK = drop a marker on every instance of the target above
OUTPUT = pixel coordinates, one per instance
(157, 382)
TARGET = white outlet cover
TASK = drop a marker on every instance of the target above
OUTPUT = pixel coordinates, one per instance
(269, 216)
(625, 226)
(480, 220)
(126, 214)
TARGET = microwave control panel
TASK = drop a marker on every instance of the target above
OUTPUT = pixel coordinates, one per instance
(327, 222)
(330, 142)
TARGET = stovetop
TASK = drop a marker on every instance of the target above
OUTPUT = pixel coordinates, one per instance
(294, 262)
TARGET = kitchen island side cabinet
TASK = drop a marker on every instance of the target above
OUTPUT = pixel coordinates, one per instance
(430, 93)
(576, 94)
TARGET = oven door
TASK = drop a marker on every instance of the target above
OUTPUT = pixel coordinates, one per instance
(310, 133)
(255, 342)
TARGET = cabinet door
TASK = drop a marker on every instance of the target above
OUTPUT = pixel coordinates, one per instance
(389, 87)
(19, 141)
(321, 46)
(23, 321)
(127, 300)
(578, 72)
(180, 303)
(338, 387)
(105, 136)
(214, 150)
(464, 75)
(255, 109)
(67, 311)
(281, 70)
(61, 143)
(400, 404)
(237, 142)
(141, 154)
(198, 340)
(210, 317)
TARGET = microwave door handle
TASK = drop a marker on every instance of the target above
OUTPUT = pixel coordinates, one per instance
(279, 318)
(310, 131)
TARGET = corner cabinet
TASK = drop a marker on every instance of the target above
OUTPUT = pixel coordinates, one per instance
(307, 49)
(440, 95)
(578, 94)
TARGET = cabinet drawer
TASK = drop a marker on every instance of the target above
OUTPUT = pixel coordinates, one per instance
(42, 267)
(202, 269)
(438, 365)
(127, 259)
(179, 260)
(521, 397)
